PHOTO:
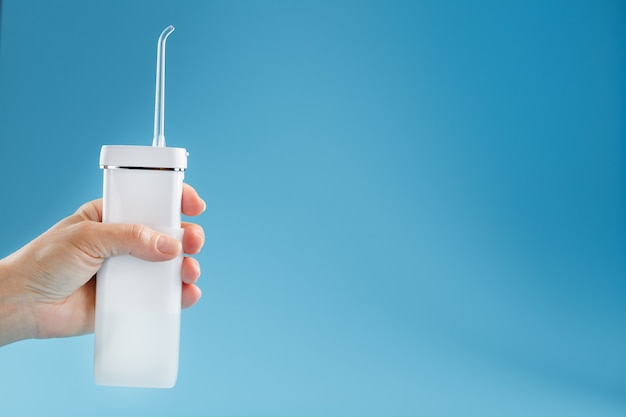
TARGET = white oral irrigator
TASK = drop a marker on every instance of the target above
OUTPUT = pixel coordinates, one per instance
(138, 303)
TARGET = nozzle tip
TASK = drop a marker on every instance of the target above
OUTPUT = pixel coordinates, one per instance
(168, 30)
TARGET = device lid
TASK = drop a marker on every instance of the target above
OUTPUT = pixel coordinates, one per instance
(150, 157)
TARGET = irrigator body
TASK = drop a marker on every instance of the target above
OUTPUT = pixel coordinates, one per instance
(138, 303)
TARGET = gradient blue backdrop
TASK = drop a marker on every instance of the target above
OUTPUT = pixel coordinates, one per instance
(414, 208)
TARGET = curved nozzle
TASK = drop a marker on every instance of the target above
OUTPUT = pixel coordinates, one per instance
(159, 96)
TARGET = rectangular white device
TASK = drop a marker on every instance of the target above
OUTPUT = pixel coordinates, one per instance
(138, 303)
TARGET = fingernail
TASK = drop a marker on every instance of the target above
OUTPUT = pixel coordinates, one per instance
(204, 205)
(168, 245)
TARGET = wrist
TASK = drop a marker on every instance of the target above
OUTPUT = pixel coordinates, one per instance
(16, 319)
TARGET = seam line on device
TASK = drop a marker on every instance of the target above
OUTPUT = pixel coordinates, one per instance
(144, 168)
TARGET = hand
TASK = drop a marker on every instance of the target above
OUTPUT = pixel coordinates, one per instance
(47, 288)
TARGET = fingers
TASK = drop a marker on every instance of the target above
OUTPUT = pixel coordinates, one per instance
(106, 240)
(190, 271)
(192, 204)
(191, 295)
(193, 238)
(91, 211)
(100, 240)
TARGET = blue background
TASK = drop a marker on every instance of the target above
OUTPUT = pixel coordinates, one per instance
(414, 208)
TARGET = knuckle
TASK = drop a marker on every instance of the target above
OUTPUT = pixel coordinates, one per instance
(81, 235)
(138, 232)
(88, 211)
(82, 229)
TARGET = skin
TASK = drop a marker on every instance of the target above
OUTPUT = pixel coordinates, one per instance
(47, 288)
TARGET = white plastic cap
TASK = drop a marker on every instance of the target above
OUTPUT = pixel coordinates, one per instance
(121, 156)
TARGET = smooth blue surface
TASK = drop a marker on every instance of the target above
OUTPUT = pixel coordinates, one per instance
(414, 208)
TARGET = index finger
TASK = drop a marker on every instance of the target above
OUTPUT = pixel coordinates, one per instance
(192, 204)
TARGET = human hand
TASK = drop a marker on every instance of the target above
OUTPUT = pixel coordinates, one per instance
(47, 288)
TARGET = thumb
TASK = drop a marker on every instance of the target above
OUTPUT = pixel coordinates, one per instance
(129, 239)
